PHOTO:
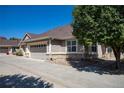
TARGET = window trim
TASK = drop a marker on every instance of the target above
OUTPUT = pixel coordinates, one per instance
(94, 46)
(71, 46)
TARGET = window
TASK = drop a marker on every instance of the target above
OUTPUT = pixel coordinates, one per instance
(71, 46)
(109, 49)
(94, 48)
(37, 46)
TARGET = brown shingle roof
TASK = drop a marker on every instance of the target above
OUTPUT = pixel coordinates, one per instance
(62, 33)
(1, 37)
(9, 42)
(32, 35)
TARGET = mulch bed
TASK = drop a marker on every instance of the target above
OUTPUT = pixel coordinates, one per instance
(99, 66)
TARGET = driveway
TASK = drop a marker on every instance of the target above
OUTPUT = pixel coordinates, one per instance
(58, 75)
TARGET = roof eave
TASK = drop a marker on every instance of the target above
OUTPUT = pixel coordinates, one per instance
(8, 45)
(36, 39)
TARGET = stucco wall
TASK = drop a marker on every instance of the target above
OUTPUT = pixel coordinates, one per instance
(58, 46)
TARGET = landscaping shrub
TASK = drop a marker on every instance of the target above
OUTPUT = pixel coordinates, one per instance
(20, 52)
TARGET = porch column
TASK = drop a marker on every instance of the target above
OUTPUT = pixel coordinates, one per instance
(99, 51)
(49, 49)
(50, 46)
(27, 51)
(10, 50)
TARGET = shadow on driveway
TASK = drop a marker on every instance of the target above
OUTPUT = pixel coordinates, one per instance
(23, 81)
(98, 66)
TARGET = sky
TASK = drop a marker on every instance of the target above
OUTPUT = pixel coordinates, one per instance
(15, 21)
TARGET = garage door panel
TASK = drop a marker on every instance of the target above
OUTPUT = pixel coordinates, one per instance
(38, 49)
(38, 52)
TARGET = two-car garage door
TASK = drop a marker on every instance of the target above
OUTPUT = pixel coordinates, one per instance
(38, 52)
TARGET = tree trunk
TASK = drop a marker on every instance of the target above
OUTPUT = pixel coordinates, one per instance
(103, 50)
(86, 54)
(117, 61)
(117, 56)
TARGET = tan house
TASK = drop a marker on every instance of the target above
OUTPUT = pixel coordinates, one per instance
(8, 46)
(57, 45)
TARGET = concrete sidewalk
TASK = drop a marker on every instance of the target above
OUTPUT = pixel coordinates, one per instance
(59, 75)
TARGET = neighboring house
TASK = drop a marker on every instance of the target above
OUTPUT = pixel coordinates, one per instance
(58, 45)
(8, 46)
(2, 38)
